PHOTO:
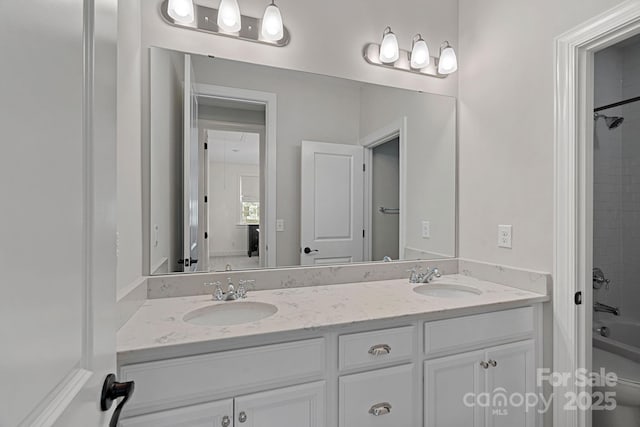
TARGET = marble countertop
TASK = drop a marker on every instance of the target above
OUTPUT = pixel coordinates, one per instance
(157, 329)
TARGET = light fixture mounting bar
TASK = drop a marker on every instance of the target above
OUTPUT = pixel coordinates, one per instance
(372, 56)
(206, 21)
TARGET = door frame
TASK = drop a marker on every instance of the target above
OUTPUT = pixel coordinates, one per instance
(269, 100)
(573, 207)
(395, 129)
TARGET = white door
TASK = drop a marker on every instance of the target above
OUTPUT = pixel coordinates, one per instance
(332, 203)
(446, 382)
(514, 374)
(191, 169)
(58, 187)
(299, 406)
(215, 414)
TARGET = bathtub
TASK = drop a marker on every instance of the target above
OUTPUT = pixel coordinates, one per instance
(619, 353)
(623, 340)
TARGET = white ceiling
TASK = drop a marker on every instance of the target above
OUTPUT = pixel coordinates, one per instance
(234, 147)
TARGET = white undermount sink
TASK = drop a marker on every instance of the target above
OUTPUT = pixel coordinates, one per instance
(447, 290)
(230, 313)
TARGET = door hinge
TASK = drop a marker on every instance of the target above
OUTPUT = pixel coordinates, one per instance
(206, 235)
(206, 146)
(363, 234)
(206, 199)
(577, 298)
(364, 167)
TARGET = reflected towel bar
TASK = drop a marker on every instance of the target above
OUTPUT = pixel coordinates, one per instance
(389, 211)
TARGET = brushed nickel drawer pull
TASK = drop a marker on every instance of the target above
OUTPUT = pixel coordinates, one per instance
(380, 350)
(484, 364)
(493, 363)
(380, 409)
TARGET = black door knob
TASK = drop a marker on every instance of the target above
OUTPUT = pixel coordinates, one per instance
(308, 250)
(112, 390)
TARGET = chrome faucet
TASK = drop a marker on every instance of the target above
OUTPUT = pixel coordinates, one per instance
(423, 277)
(232, 293)
(604, 308)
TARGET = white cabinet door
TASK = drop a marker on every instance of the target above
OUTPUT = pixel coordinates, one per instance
(447, 381)
(299, 406)
(513, 375)
(381, 398)
(215, 414)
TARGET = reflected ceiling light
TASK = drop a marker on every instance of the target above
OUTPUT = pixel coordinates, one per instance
(419, 53)
(229, 16)
(389, 50)
(181, 11)
(272, 28)
(448, 63)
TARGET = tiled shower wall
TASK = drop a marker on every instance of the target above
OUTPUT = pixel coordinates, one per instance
(617, 179)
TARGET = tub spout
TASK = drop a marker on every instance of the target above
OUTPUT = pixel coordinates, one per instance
(604, 308)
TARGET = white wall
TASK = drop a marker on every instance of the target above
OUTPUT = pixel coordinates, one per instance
(129, 149)
(431, 159)
(506, 104)
(167, 102)
(227, 237)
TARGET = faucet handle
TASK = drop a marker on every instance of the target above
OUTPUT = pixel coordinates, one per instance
(436, 272)
(218, 295)
(242, 290)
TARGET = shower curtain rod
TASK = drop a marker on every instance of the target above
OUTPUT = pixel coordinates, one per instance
(617, 104)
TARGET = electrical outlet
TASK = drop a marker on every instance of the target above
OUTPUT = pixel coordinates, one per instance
(504, 236)
(426, 230)
(279, 224)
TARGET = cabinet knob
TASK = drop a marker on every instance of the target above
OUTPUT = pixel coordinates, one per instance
(484, 364)
(380, 409)
(226, 421)
(380, 350)
(242, 417)
(493, 363)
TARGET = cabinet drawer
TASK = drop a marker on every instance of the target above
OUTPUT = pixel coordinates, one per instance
(376, 348)
(470, 332)
(380, 398)
(186, 380)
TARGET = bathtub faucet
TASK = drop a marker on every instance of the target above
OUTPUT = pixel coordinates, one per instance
(604, 308)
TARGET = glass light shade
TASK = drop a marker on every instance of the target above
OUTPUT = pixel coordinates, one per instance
(272, 28)
(420, 54)
(389, 50)
(448, 63)
(181, 11)
(229, 16)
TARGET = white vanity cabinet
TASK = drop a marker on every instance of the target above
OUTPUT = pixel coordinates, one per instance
(456, 386)
(405, 373)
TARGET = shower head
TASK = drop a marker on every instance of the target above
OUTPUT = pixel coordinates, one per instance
(612, 122)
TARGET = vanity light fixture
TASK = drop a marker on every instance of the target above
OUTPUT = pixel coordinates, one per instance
(389, 50)
(181, 11)
(448, 62)
(419, 61)
(227, 21)
(272, 28)
(229, 16)
(419, 53)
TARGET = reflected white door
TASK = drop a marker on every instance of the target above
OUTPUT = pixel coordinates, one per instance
(191, 170)
(58, 186)
(332, 197)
